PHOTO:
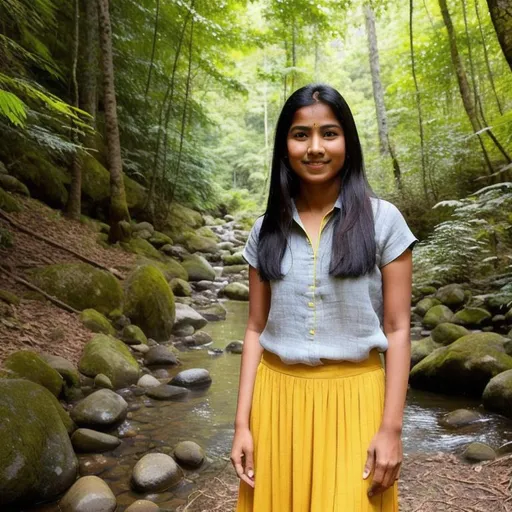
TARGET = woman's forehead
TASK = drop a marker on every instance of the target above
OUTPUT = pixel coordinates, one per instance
(318, 114)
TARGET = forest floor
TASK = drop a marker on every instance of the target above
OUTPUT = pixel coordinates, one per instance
(428, 482)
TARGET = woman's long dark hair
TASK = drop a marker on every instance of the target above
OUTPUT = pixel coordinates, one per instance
(353, 248)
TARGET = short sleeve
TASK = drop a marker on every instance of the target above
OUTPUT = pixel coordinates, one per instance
(396, 236)
(250, 251)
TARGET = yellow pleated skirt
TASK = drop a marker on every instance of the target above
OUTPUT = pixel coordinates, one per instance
(311, 428)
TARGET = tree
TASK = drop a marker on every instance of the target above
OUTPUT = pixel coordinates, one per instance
(501, 14)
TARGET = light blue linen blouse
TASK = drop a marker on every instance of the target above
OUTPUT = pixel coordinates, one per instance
(314, 315)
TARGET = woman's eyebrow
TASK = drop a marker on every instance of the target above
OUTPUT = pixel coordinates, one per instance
(323, 127)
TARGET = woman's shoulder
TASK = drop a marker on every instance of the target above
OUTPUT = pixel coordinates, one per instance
(383, 210)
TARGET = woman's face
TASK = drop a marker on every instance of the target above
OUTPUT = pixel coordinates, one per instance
(316, 144)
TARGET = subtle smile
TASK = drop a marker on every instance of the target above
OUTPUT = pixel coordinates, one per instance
(316, 165)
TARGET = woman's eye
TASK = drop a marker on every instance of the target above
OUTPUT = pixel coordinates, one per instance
(298, 135)
(330, 134)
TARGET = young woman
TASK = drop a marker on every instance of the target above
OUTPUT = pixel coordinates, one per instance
(318, 422)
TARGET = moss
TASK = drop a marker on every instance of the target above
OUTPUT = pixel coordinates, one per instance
(236, 291)
(437, 315)
(196, 243)
(447, 333)
(169, 267)
(31, 366)
(421, 349)
(96, 322)
(198, 268)
(425, 304)
(133, 335)
(149, 302)
(110, 356)
(11, 184)
(158, 239)
(234, 269)
(472, 317)
(180, 287)
(142, 248)
(8, 203)
(234, 259)
(80, 285)
(207, 233)
(9, 297)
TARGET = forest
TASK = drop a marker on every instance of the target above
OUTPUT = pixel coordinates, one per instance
(135, 155)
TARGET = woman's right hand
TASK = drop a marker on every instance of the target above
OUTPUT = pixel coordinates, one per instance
(243, 447)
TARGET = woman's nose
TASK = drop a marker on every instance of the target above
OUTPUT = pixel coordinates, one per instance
(315, 146)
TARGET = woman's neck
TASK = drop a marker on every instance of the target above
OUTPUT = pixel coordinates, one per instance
(317, 199)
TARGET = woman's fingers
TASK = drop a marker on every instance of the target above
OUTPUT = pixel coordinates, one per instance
(236, 460)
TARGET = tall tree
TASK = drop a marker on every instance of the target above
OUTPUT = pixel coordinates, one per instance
(118, 206)
(501, 14)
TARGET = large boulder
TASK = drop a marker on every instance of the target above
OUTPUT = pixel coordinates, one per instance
(149, 302)
(472, 317)
(497, 394)
(8, 203)
(185, 315)
(96, 322)
(437, 315)
(12, 184)
(80, 285)
(421, 349)
(107, 355)
(197, 243)
(447, 333)
(464, 367)
(142, 248)
(425, 304)
(451, 295)
(198, 268)
(169, 267)
(88, 494)
(236, 291)
(37, 461)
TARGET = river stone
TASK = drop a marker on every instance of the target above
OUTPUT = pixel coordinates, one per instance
(133, 335)
(96, 322)
(185, 315)
(104, 354)
(460, 418)
(234, 269)
(80, 285)
(236, 291)
(497, 395)
(226, 246)
(102, 381)
(426, 289)
(159, 355)
(451, 295)
(180, 287)
(103, 408)
(193, 377)
(37, 461)
(141, 349)
(472, 317)
(155, 472)
(508, 344)
(196, 243)
(160, 239)
(437, 315)
(464, 367)
(65, 368)
(235, 347)
(214, 312)
(31, 366)
(422, 348)
(148, 381)
(143, 506)
(189, 454)
(143, 226)
(90, 441)
(425, 304)
(197, 339)
(166, 392)
(477, 452)
(149, 302)
(447, 333)
(499, 303)
(504, 449)
(88, 494)
(234, 259)
(198, 268)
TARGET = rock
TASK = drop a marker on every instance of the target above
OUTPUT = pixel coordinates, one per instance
(184, 330)
(159, 355)
(88, 494)
(176, 251)
(159, 240)
(141, 349)
(166, 392)
(142, 248)
(8, 203)
(234, 259)
(189, 454)
(31, 366)
(447, 333)
(90, 441)
(451, 295)
(460, 418)
(206, 285)
(497, 304)
(228, 217)
(155, 472)
(148, 381)
(421, 349)
(437, 315)
(236, 291)
(102, 381)
(133, 335)
(504, 449)
(198, 268)
(180, 287)
(96, 322)
(37, 462)
(143, 506)
(226, 246)
(149, 302)
(214, 312)
(234, 269)
(197, 339)
(194, 377)
(65, 368)
(143, 226)
(497, 395)
(80, 285)
(464, 367)
(477, 452)
(197, 243)
(11, 184)
(472, 317)
(185, 315)
(169, 267)
(425, 304)
(107, 355)
(235, 347)
(101, 409)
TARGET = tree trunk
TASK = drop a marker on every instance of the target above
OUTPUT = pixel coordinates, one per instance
(118, 206)
(294, 53)
(501, 14)
(153, 48)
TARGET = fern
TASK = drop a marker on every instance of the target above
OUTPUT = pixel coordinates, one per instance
(13, 108)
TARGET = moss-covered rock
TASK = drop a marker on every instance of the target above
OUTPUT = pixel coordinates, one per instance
(451, 295)
(96, 322)
(158, 239)
(133, 335)
(180, 287)
(37, 461)
(205, 231)
(169, 267)
(12, 184)
(425, 304)
(234, 269)
(464, 367)
(234, 259)
(142, 248)
(80, 285)
(149, 302)
(236, 291)
(421, 349)
(8, 203)
(499, 303)
(198, 268)
(9, 297)
(64, 367)
(477, 452)
(196, 243)
(497, 395)
(447, 333)
(107, 355)
(31, 366)
(214, 312)
(472, 317)
(180, 214)
(437, 315)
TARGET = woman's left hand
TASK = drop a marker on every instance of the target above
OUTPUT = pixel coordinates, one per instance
(385, 459)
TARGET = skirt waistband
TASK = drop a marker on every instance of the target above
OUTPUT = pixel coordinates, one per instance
(330, 368)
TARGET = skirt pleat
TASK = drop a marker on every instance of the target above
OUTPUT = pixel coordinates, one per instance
(311, 428)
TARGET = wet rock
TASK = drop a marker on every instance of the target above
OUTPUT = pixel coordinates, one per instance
(197, 339)
(477, 452)
(472, 317)
(194, 377)
(160, 355)
(103, 408)
(148, 381)
(236, 291)
(497, 395)
(214, 312)
(88, 494)
(133, 335)
(205, 285)
(437, 315)
(143, 506)
(499, 303)
(422, 348)
(102, 381)
(90, 441)
(189, 454)
(447, 333)
(95, 464)
(185, 330)
(65, 368)
(185, 316)
(166, 392)
(235, 347)
(460, 418)
(155, 472)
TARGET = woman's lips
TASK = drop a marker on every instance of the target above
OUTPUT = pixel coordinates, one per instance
(315, 165)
